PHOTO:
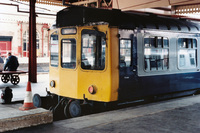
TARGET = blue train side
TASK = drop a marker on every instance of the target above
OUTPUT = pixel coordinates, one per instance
(163, 57)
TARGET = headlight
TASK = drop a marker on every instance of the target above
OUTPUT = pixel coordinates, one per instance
(53, 83)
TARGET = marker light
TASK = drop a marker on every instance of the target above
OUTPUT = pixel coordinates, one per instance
(68, 31)
(91, 90)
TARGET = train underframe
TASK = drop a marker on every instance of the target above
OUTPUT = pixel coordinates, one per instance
(63, 107)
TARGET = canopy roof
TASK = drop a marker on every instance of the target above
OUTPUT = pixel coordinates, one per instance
(168, 7)
(123, 4)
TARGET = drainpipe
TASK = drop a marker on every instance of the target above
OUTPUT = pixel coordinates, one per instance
(45, 26)
(21, 44)
(48, 46)
(21, 40)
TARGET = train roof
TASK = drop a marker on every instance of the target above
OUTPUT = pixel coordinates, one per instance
(73, 16)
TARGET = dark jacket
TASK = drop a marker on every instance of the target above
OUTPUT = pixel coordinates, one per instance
(11, 64)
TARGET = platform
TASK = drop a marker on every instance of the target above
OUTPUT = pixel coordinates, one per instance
(11, 117)
(19, 90)
(180, 115)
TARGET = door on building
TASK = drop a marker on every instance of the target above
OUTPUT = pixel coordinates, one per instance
(26, 44)
(5, 45)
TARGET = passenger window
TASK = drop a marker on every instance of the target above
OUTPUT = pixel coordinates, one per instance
(152, 42)
(68, 53)
(146, 42)
(160, 42)
(156, 54)
(165, 42)
(187, 53)
(54, 49)
(194, 43)
(93, 50)
(125, 53)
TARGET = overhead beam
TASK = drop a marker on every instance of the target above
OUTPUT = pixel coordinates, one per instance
(84, 2)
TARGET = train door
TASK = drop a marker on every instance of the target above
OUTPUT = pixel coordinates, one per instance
(128, 65)
(98, 71)
(54, 58)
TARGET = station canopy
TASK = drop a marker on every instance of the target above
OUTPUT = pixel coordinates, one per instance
(167, 7)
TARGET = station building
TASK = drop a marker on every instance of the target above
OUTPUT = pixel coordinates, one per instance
(14, 28)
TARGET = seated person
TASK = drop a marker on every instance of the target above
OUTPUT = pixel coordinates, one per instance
(11, 63)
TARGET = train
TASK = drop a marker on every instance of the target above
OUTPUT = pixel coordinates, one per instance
(101, 57)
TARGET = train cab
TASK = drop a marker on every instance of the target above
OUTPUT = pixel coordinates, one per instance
(84, 68)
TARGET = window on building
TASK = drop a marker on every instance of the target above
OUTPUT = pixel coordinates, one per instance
(156, 53)
(54, 49)
(37, 41)
(187, 53)
(93, 50)
(68, 55)
(125, 53)
(25, 40)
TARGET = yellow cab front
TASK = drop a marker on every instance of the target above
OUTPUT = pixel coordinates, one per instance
(80, 64)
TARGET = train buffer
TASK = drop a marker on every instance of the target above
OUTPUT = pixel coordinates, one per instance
(12, 76)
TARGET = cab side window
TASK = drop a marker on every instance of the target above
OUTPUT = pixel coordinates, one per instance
(125, 53)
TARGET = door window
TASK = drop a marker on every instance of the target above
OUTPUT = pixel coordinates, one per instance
(68, 55)
(93, 50)
(54, 49)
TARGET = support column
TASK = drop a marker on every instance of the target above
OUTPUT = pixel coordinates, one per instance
(32, 43)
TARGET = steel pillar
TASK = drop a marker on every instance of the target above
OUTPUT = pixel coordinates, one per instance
(32, 43)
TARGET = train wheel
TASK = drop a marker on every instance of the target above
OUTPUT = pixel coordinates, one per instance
(75, 109)
(14, 79)
(5, 78)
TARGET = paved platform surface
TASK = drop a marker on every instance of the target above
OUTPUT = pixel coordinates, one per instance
(180, 115)
(19, 90)
(11, 117)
